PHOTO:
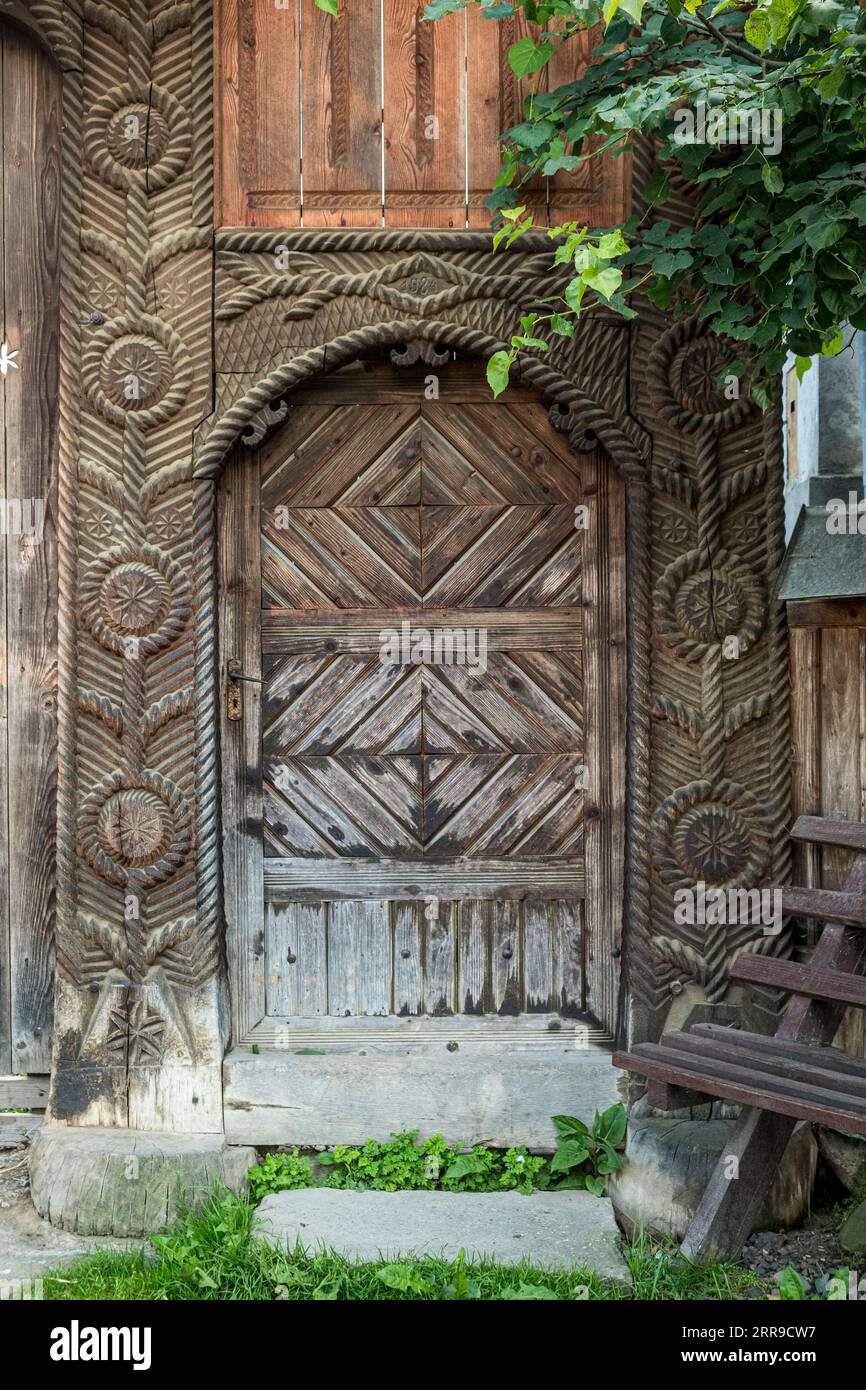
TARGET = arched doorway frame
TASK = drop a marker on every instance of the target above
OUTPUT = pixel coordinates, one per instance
(585, 421)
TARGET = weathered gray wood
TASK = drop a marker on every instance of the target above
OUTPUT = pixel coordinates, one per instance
(408, 993)
(359, 959)
(23, 1092)
(439, 956)
(31, 118)
(819, 830)
(17, 1129)
(359, 630)
(306, 880)
(297, 961)
(506, 949)
(473, 985)
(474, 1031)
(241, 742)
(605, 729)
(500, 1096)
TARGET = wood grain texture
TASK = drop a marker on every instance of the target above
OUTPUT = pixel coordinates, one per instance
(239, 583)
(828, 713)
(31, 115)
(424, 118)
(427, 811)
(342, 114)
(314, 97)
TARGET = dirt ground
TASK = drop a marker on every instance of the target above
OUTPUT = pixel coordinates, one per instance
(28, 1245)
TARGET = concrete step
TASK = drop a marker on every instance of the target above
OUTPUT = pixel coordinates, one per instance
(553, 1229)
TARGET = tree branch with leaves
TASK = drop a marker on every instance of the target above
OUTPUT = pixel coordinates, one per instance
(775, 259)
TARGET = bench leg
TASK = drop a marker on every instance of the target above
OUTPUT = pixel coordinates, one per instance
(730, 1206)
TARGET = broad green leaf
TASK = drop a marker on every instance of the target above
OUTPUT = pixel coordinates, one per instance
(332, 6)
(791, 1286)
(757, 29)
(527, 56)
(595, 1186)
(802, 365)
(611, 244)
(569, 1153)
(562, 326)
(772, 178)
(498, 368)
(438, 8)
(604, 282)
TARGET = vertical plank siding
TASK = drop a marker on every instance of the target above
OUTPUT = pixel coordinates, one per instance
(332, 122)
(31, 114)
(828, 708)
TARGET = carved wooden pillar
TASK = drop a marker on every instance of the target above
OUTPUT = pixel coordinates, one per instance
(139, 1031)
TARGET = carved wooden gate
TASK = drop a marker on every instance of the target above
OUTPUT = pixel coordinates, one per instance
(404, 716)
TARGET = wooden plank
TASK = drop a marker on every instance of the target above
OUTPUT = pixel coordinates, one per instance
(17, 1129)
(342, 115)
(831, 1056)
(605, 708)
(408, 969)
(832, 613)
(23, 1092)
(569, 960)
(745, 1087)
(824, 831)
(499, 1097)
(31, 215)
(832, 985)
(424, 117)
(506, 952)
(839, 734)
(305, 880)
(296, 956)
(359, 630)
(824, 904)
(765, 1062)
(495, 98)
(440, 949)
(805, 666)
(539, 947)
(5, 941)
(229, 202)
(533, 1032)
(239, 585)
(473, 955)
(359, 959)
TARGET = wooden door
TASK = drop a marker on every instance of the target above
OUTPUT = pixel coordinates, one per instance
(403, 592)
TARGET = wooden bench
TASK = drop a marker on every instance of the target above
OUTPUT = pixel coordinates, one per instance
(794, 1075)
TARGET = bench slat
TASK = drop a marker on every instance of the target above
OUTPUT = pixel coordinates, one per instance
(770, 1063)
(819, 830)
(825, 904)
(746, 1088)
(832, 1057)
(835, 986)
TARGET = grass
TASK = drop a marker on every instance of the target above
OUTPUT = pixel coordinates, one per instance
(211, 1254)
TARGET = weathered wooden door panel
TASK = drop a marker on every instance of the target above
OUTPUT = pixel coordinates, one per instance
(415, 820)
(30, 130)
